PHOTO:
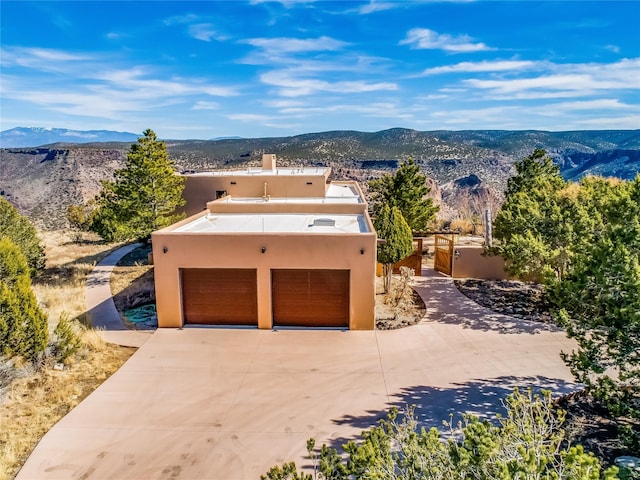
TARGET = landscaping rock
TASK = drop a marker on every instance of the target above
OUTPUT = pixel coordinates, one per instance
(520, 299)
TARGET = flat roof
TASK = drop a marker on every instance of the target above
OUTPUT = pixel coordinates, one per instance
(276, 223)
(258, 171)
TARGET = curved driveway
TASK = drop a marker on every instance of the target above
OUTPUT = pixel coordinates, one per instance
(208, 403)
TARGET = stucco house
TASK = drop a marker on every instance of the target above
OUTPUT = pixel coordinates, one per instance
(268, 247)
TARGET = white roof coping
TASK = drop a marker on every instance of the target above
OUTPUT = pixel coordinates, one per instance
(258, 171)
(294, 200)
(276, 223)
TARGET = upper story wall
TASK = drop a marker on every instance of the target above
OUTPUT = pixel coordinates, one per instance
(341, 198)
(203, 188)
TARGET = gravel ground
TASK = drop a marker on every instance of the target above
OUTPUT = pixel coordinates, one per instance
(519, 299)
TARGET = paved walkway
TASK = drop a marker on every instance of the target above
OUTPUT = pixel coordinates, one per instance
(214, 403)
(101, 309)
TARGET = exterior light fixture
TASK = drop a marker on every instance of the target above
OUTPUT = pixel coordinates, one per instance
(362, 251)
(263, 249)
(165, 249)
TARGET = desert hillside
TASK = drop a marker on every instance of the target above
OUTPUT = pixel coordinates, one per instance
(43, 181)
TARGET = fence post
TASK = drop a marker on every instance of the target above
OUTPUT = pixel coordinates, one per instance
(488, 236)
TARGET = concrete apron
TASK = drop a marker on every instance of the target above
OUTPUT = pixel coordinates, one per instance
(229, 403)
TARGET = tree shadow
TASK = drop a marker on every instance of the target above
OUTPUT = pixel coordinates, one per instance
(446, 304)
(86, 241)
(433, 405)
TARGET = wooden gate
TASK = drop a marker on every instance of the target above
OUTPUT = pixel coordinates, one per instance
(413, 261)
(443, 259)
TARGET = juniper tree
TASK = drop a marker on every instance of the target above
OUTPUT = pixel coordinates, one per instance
(583, 240)
(534, 236)
(144, 195)
(23, 234)
(528, 443)
(23, 326)
(406, 189)
(599, 300)
(391, 227)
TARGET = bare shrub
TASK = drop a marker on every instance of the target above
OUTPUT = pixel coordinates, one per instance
(400, 296)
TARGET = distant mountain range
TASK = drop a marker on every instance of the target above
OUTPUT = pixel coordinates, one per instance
(36, 136)
(23, 137)
(42, 181)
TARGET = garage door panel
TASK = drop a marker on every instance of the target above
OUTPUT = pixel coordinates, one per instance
(216, 296)
(311, 298)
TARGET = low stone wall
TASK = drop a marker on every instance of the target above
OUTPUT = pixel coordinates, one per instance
(469, 262)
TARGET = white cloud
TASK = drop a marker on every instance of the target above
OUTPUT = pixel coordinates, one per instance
(115, 35)
(297, 45)
(374, 6)
(249, 117)
(601, 104)
(551, 81)
(204, 32)
(181, 19)
(593, 114)
(139, 80)
(292, 86)
(284, 3)
(630, 122)
(29, 57)
(202, 105)
(283, 103)
(567, 82)
(77, 85)
(423, 38)
(484, 66)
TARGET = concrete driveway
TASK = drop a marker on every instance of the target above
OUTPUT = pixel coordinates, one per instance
(207, 403)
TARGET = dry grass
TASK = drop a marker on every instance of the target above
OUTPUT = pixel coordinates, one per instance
(35, 401)
(60, 288)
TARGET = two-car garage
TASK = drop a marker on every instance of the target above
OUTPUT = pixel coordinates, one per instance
(299, 297)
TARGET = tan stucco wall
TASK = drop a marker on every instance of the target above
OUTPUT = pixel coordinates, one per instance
(227, 205)
(292, 205)
(200, 189)
(318, 251)
(472, 264)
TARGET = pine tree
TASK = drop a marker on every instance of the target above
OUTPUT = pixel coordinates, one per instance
(23, 234)
(144, 195)
(391, 226)
(406, 189)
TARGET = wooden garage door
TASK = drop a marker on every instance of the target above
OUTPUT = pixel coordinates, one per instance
(219, 296)
(310, 298)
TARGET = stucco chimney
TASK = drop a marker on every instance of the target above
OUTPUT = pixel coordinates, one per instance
(268, 161)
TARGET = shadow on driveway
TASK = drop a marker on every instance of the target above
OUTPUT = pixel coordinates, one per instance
(446, 304)
(433, 405)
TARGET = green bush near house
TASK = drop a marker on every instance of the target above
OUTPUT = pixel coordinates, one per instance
(23, 234)
(23, 325)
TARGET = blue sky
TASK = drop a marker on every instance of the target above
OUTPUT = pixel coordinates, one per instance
(209, 69)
